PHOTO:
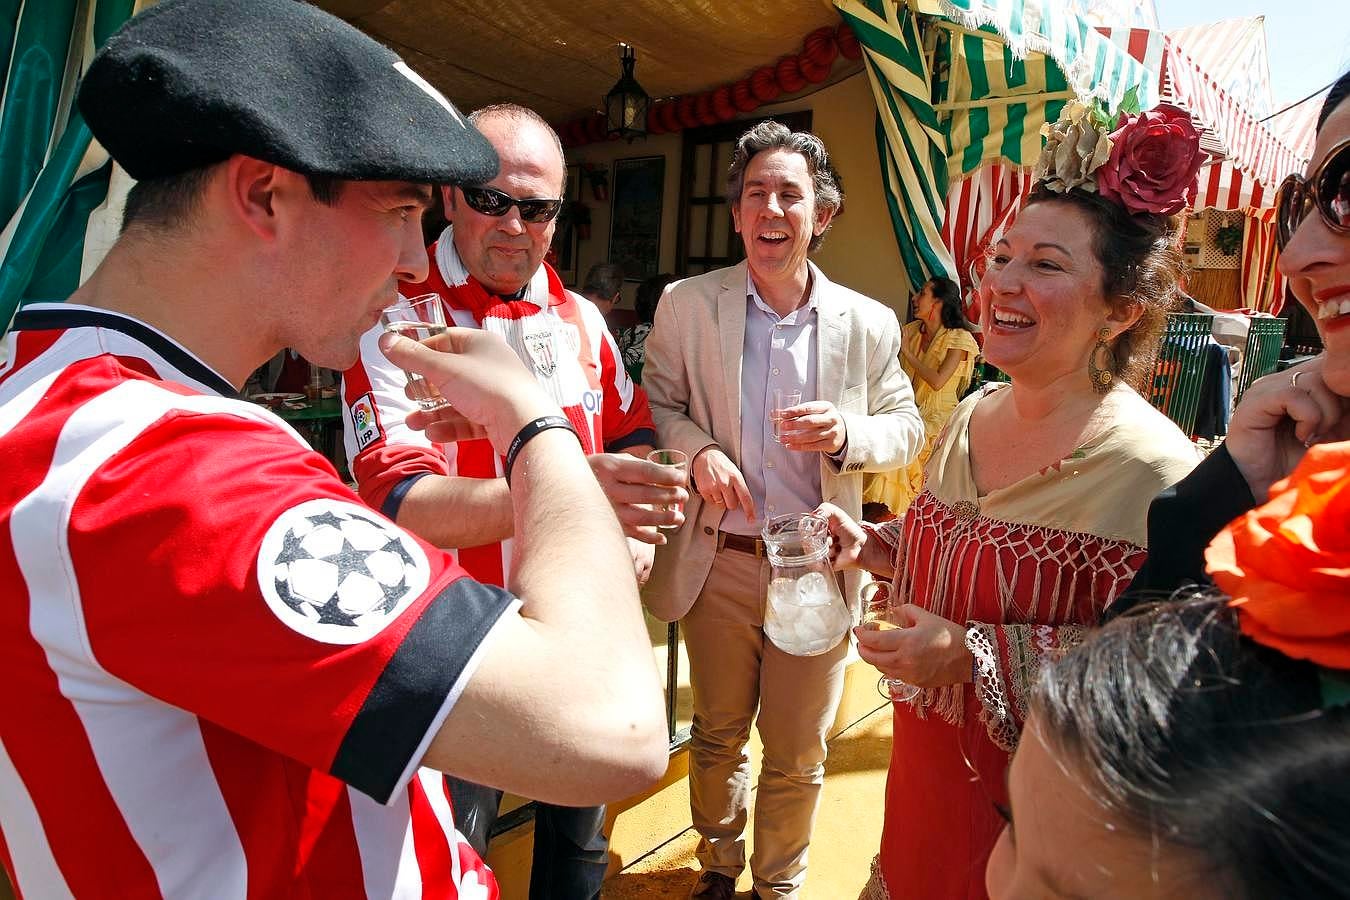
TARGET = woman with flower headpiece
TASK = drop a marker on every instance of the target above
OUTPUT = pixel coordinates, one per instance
(1283, 414)
(1201, 748)
(937, 352)
(1032, 517)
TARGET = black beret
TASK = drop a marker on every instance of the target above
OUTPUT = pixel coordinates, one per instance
(188, 83)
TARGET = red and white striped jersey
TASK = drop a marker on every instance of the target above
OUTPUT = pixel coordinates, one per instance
(222, 669)
(559, 335)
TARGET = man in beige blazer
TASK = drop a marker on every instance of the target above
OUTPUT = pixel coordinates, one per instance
(722, 343)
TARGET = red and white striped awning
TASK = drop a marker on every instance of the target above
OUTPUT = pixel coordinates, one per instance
(1251, 157)
(1241, 138)
(1298, 124)
(1222, 185)
(1143, 44)
(1233, 54)
(979, 209)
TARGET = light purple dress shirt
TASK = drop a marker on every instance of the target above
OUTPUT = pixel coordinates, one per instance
(778, 353)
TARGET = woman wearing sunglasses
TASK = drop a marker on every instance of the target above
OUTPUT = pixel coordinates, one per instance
(1282, 414)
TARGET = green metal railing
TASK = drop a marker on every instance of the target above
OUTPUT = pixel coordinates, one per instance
(1180, 371)
(1265, 337)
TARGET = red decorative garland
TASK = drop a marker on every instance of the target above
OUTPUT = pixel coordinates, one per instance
(847, 42)
(789, 75)
(743, 96)
(766, 84)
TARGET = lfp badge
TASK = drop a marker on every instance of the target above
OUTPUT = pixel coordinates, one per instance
(365, 423)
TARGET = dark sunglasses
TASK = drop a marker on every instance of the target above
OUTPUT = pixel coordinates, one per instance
(492, 202)
(1327, 190)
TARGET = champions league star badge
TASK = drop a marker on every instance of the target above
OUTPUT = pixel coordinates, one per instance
(337, 573)
(537, 336)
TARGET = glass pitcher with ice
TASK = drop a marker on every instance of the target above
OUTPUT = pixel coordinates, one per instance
(805, 614)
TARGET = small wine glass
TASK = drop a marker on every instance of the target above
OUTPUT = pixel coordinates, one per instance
(878, 614)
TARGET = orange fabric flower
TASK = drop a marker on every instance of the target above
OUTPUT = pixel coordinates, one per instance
(1287, 564)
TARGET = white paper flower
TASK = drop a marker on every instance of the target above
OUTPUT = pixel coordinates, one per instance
(1074, 149)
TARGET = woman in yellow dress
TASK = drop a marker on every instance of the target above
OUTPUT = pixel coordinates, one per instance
(938, 354)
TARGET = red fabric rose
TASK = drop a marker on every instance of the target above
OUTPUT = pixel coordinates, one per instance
(1287, 564)
(1154, 160)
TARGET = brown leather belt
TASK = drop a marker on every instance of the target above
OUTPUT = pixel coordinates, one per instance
(740, 542)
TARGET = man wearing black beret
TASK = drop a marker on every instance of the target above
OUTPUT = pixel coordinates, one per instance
(228, 673)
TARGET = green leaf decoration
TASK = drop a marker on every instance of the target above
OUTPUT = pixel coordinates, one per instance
(1129, 104)
(1100, 117)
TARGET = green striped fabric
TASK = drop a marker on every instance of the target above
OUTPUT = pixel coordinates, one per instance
(923, 56)
(981, 68)
(1094, 67)
(911, 141)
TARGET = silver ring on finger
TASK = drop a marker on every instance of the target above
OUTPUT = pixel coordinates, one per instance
(1293, 380)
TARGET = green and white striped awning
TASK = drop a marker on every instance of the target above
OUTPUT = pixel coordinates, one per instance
(961, 83)
(49, 179)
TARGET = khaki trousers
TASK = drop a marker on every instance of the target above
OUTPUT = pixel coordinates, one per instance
(734, 668)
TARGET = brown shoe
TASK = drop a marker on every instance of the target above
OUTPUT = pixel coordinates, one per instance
(713, 886)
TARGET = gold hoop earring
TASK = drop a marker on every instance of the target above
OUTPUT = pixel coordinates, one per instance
(1102, 363)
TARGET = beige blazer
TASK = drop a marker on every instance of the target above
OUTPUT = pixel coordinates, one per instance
(693, 379)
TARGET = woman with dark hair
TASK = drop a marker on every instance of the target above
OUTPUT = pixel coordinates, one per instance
(938, 354)
(1280, 415)
(1201, 748)
(1031, 519)
(633, 340)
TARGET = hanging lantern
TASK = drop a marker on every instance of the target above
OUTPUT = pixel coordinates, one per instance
(626, 103)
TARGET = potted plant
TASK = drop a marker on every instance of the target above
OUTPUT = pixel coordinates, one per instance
(1228, 239)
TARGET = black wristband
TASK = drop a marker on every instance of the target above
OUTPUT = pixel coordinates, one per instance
(531, 429)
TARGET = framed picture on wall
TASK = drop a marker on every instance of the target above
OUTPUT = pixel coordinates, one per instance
(562, 254)
(635, 224)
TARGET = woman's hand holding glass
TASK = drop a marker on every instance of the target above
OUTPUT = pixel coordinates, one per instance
(880, 618)
(919, 648)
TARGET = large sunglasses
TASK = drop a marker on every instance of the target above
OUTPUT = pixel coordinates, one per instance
(1327, 190)
(492, 202)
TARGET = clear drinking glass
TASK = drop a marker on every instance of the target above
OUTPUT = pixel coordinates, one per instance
(878, 615)
(782, 399)
(675, 459)
(419, 318)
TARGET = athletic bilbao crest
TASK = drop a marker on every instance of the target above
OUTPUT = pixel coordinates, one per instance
(538, 340)
(337, 573)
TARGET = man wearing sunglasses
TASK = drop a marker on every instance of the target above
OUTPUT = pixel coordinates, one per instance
(488, 268)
